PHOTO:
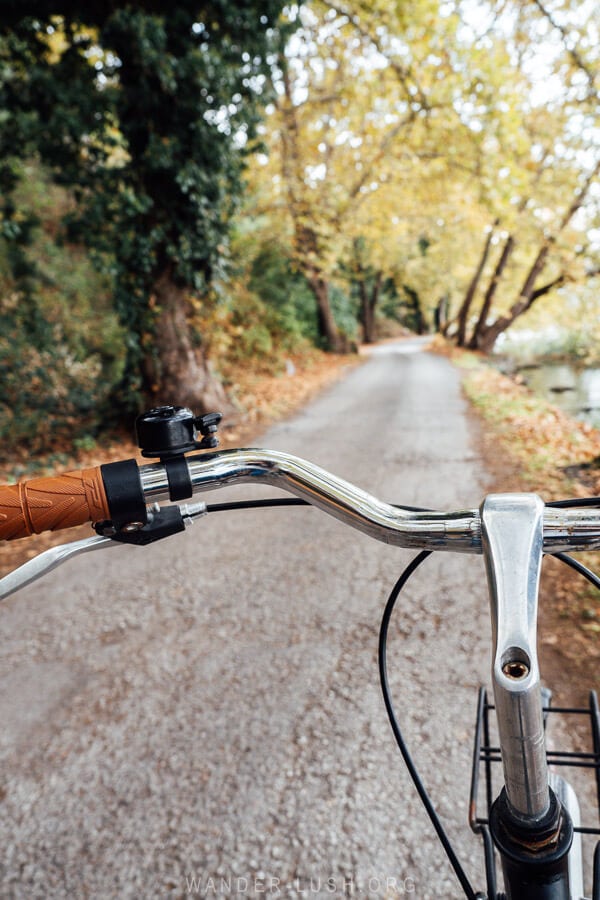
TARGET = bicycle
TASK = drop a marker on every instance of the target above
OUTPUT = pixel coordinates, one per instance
(532, 826)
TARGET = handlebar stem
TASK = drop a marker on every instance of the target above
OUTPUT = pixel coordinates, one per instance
(512, 537)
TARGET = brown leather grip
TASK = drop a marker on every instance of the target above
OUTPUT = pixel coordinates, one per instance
(47, 504)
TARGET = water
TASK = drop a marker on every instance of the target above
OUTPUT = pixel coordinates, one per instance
(573, 389)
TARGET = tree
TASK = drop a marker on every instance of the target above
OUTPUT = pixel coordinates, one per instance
(540, 192)
(146, 112)
(356, 86)
(485, 333)
(383, 114)
(61, 347)
(517, 163)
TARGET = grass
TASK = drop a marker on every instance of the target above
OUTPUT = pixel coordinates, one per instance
(539, 437)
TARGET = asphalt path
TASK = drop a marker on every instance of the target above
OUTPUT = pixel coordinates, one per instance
(203, 718)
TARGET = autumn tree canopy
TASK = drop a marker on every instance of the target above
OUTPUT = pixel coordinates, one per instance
(459, 150)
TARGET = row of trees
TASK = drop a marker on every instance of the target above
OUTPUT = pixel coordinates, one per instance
(457, 148)
(228, 164)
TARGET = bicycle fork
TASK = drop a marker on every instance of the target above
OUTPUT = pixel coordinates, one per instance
(530, 827)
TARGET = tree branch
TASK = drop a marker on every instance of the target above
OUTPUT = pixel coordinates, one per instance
(403, 73)
(572, 51)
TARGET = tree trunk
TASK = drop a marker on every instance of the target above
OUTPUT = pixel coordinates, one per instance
(463, 313)
(176, 370)
(474, 343)
(529, 293)
(527, 296)
(305, 237)
(368, 304)
(366, 313)
(440, 315)
(419, 323)
(328, 330)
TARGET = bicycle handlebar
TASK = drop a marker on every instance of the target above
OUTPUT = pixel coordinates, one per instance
(117, 490)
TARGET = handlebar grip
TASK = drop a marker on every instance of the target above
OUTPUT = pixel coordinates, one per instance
(48, 504)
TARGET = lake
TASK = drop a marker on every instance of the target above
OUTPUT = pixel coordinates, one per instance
(574, 389)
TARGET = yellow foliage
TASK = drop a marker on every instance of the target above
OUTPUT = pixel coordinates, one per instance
(404, 124)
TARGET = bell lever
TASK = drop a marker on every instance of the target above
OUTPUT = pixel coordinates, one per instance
(167, 432)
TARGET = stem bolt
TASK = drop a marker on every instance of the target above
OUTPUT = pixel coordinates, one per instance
(515, 669)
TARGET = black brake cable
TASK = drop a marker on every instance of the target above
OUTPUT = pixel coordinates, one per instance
(284, 501)
(408, 761)
(257, 504)
(577, 501)
(578, 567)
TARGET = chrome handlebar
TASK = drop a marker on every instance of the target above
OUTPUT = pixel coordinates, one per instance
(460, 531)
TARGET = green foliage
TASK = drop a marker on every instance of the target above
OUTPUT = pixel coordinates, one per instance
(403, 305)
(61, 347)
(273, 278)
(265, 311)
(244, 331)
(391, 304)
(147, 111)
(345, 310)
(261, 335)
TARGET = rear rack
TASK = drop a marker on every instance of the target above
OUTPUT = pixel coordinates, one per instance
(486, 756)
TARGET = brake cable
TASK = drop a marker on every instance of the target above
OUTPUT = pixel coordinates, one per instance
(408, 761)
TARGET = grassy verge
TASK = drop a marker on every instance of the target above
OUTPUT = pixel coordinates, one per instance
(530, 445)
(262, 398)
(553, 451)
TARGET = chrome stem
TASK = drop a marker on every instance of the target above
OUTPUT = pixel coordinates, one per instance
(512, 533)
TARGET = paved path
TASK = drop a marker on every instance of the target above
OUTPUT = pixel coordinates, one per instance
(210, 709)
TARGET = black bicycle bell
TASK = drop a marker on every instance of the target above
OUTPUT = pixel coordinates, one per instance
(169, 431)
